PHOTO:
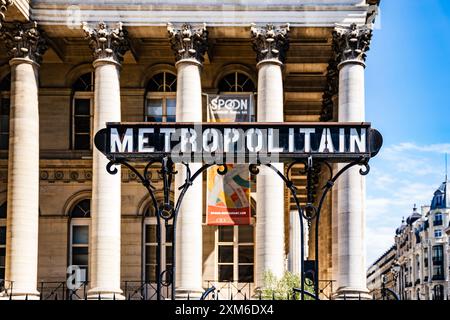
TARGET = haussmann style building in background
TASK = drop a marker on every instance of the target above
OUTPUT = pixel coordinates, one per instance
(68, 67)
(417, 267)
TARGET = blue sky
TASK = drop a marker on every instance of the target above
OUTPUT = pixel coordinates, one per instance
(407, 100)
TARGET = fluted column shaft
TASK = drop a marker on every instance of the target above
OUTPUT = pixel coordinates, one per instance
(270, 44)
(25, 45)
(189, 56)
(352, 43)
(106, 188)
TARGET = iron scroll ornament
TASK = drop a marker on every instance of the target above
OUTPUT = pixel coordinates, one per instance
(167, 212)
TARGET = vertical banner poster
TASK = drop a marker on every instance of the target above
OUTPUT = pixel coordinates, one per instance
(228, 196)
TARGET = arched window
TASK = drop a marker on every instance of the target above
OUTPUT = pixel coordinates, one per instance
(160, 99)
(236, 82)
(2, 240)
(5, 88)
(82, 112)
(79, 236)
(151, 245)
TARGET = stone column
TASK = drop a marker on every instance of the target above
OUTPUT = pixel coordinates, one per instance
(25, 46)
(350, 44)
(189, 45)
(271, 44)
(108, 45)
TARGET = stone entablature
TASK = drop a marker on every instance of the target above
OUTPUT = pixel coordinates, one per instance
(305, 13)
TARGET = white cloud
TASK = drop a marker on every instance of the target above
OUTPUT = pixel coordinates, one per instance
(378, 241)
(402, 175)
(440, 148)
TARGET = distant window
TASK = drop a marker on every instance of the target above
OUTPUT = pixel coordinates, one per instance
(2, 240)
(82, 112)
(438, 233)
(5, 88)
(236, 82)
(438, 219)
(438, 292)
(79, 236)
(3, 209)
(160, 102)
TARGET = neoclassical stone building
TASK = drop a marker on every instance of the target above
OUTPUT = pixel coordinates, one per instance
(423, 250)
(66, 70)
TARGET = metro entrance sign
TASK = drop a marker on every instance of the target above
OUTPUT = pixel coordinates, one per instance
(217, 144)
(252, 143)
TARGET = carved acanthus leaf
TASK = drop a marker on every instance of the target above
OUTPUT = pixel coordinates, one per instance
(23, 40)
(188, 42)
(107, 43)
(351, 43)
(270, 42)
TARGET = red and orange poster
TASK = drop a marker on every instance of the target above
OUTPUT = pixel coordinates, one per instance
(228, 196)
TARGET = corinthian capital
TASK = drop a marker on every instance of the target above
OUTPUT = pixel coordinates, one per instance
(188, 42)
(107, 43)
(351, 43)
(23, 40)
(4, 4)
(270, 42)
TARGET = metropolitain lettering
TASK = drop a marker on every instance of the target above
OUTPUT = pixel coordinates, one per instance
(197, 142)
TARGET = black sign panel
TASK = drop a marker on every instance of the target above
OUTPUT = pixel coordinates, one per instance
(239, 142)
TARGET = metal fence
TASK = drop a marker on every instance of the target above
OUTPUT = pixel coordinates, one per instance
(141, 290)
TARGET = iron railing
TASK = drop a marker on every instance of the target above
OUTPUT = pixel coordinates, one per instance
(58, 290)
(143, 290)
(230, 290)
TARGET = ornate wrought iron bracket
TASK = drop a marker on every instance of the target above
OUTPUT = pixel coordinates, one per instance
(310, 213)
(167, 212)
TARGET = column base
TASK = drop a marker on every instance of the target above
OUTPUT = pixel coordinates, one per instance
(105, 294)
(188, 294)
(35, 295)
(352, 294)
